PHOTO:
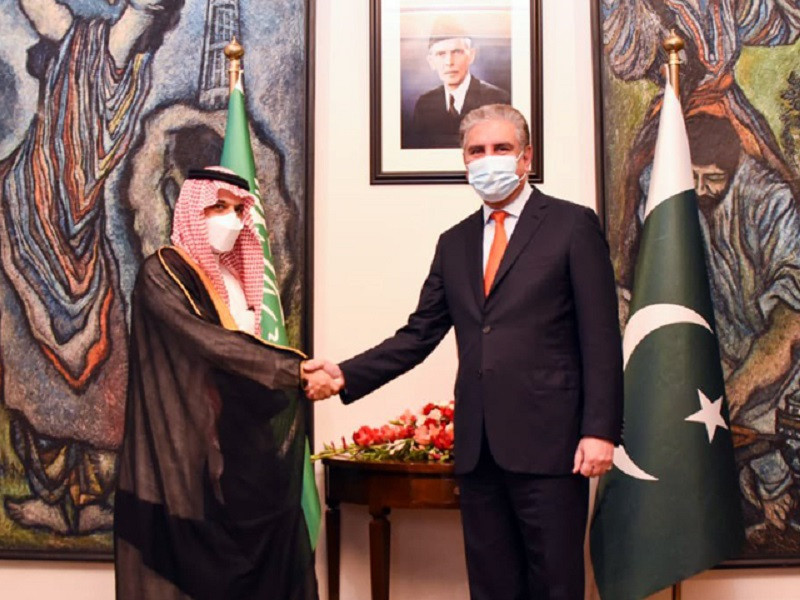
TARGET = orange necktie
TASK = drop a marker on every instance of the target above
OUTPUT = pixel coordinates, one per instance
(499, 244)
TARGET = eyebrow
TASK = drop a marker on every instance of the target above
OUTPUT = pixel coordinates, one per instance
(495, 145)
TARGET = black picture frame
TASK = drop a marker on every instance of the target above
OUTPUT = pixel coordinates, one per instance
(608, 165)
(392, 161)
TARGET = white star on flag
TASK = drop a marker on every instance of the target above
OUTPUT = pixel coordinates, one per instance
(710, 415)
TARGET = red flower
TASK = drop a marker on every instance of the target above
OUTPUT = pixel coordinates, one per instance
(408, 437)
(444, 441)
(366, 436)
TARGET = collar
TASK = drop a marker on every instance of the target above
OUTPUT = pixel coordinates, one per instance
(459, 94)
(515, 208)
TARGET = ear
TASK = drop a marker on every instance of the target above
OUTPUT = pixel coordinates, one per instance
(471, 54)
(527, 156)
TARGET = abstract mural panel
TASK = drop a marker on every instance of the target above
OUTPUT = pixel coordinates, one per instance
(740, 90)
(104, 106)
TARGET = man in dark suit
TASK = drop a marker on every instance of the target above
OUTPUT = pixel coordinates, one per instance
(438, 112)
(528, 285)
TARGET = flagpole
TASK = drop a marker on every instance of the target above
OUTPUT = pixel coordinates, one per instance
(673, 45)
(234, 52)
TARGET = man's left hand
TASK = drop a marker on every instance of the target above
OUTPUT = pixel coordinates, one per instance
(594, 457)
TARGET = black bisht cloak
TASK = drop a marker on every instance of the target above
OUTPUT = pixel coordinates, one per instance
(210, 473)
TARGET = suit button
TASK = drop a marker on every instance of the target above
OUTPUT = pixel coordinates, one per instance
(480, 373)
(487, 328)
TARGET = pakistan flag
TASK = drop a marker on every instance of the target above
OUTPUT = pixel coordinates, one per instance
(670, 507)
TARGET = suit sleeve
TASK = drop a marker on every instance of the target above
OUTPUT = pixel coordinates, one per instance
(592, 278)
(412, 343)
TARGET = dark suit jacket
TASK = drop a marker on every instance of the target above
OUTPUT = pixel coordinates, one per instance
(433, 127)
(540, 360)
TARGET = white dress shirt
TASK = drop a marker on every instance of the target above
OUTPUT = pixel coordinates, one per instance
(459, 94)
(244, 317)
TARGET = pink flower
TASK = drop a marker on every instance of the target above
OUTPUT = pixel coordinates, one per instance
(390, 433)
(422, 435)
(407, 418)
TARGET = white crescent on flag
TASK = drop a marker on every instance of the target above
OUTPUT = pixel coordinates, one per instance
(646, 320)
(641, 324)
(625, 464)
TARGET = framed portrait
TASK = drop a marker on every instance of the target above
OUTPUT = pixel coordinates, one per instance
(432, 61)
(740, 86)
(98, 129)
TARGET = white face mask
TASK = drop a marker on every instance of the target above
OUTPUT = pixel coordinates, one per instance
(223, 231)
(494, 177)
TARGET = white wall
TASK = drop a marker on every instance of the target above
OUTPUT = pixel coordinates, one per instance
(373, 246)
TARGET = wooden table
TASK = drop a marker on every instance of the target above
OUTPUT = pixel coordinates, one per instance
(381, 486)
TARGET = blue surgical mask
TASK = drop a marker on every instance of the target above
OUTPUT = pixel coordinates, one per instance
(494, 177)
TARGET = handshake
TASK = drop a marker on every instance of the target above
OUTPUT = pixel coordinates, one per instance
(321, 379)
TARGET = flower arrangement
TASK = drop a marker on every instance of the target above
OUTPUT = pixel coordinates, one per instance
(425, 438)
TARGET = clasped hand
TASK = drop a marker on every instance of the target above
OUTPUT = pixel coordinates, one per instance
(321, 379)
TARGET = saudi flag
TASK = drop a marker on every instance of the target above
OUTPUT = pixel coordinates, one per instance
(670, 507)
(237, 155)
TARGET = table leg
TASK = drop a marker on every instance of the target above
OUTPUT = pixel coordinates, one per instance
(379, 547)
(333, 539)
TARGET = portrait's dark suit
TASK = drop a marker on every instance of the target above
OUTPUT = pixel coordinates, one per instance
(432, 126)
(540, 366)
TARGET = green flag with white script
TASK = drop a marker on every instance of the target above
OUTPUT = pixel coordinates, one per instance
(237, 155)
(670, 508)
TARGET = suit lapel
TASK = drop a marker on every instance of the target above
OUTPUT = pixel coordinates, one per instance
(474, 255)
(532, 216)
(471, 97)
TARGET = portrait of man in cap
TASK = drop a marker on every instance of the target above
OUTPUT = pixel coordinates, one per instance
(437, 112)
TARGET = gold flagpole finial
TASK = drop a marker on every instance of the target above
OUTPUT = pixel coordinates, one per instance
(673, 45)
(234, 52)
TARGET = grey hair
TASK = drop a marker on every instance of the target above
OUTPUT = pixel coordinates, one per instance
(496, 112)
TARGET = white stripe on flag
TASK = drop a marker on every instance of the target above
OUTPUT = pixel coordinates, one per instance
(672, 165)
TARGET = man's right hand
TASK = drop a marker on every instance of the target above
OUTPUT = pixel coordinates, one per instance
(322, 379)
